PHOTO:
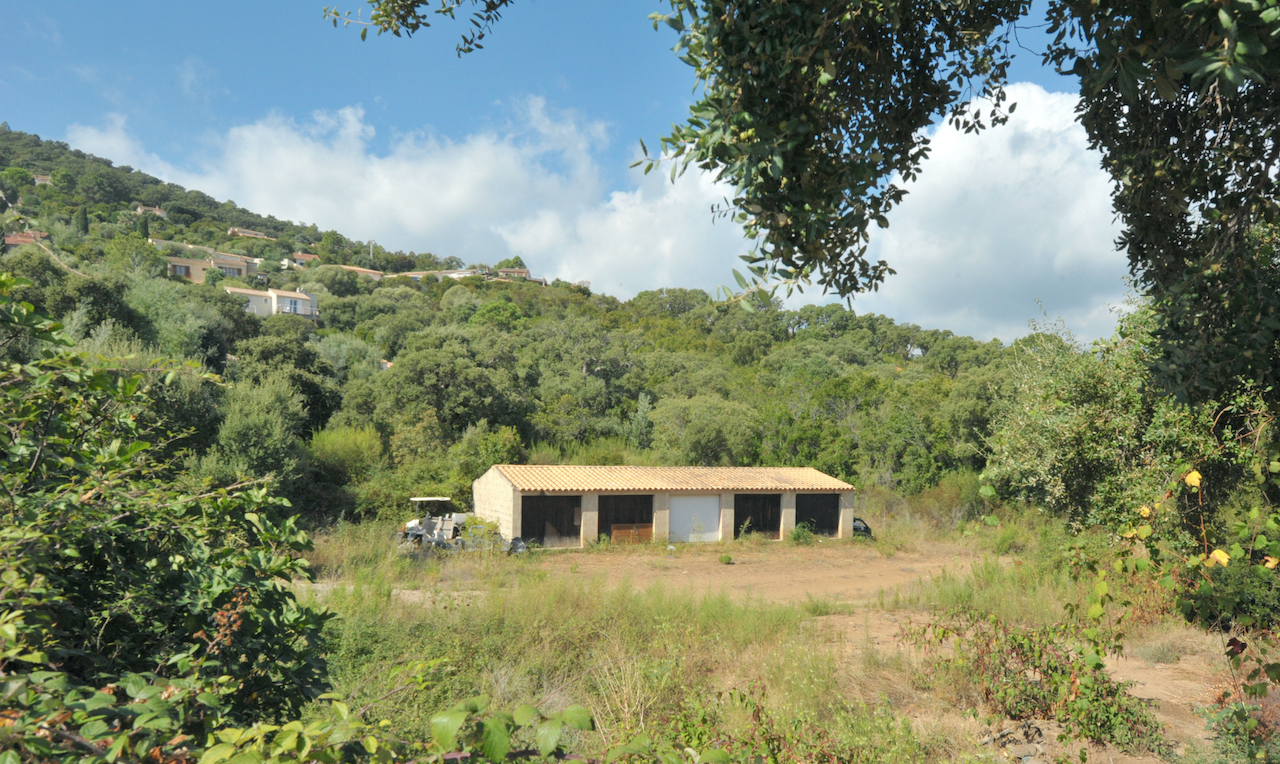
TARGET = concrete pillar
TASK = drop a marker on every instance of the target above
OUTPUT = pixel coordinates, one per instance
(662, 517)
(590, 518)
(788, 513)
(726, 517)
(846, 514)
(517, 513)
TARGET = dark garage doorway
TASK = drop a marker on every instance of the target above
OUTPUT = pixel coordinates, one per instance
(819, 511)
(758, 513)
(626, 518)
(551, 520)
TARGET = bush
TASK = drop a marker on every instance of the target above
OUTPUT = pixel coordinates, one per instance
(346, 454)
(1040, 673)
(801, 535)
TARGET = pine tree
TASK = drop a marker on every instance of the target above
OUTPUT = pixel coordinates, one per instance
(144, 226)
(81, 222)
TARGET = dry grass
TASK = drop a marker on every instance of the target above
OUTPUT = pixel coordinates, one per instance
(1170, 640)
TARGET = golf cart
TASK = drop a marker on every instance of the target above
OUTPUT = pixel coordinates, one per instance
(426, 530)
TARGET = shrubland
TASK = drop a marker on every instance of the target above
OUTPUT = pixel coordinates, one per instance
(165, 452)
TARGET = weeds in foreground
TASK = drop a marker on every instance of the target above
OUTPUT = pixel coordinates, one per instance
(1038, 672)
(801, 535)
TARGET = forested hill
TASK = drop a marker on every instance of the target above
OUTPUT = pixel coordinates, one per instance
(80, 180)
(404, 387)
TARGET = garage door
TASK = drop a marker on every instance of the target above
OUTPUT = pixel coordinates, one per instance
(695, 518)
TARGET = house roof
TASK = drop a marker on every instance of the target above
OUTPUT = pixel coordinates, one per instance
(295, 295)
(251, 292)
(572, 478)
(188, 261)
(358, 269)
(305, 256)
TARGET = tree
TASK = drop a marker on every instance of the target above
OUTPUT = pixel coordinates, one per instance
(85, 504)
(298, 364)
(815, 111)
(144, 225)
(132, 252)
(81, 221)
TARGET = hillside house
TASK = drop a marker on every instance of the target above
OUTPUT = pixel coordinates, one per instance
(375, 275)
(570, 506)
(141, 210)
(301, 259)
(194, 270)
(274, 301)
(25, 237)
(250, 234)
(43, 180)
(503, 275)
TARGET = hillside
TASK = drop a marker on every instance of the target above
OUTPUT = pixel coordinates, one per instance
(79, 180)
(480, 370)
(1026, 502)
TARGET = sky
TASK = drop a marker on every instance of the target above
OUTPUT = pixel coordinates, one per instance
(524, 148)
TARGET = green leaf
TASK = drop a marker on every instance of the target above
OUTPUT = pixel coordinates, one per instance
(444, 728)
(495, 741)
(1095, 611)
(548, 736)
(742, 280)
(219, 752)
(526, 715)
(10, 757)
(714, 756)
(578, 717)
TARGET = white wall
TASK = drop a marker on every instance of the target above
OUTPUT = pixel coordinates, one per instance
(695, 518)
(495, 500)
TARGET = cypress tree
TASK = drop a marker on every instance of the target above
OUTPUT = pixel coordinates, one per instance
(144, 227)
(81, 221)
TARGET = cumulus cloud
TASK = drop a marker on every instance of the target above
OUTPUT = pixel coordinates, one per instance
(1001, 220)
(995, 222)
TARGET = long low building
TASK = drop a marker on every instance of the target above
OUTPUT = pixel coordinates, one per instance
(568, 505)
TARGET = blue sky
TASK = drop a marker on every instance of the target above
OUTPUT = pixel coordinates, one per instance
(523, 148)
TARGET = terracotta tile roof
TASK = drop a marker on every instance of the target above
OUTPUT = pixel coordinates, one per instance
(357, 269)
(253, 292)
(295, 295)
(536, 477)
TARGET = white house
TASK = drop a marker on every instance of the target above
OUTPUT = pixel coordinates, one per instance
(274, 301)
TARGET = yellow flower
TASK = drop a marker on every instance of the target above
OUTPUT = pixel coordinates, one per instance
(1220, 557)
(1144, 511)
(1193, 479)
(1270, 563)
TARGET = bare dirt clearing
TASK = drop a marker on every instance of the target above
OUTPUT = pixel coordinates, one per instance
(850, 580)
(833, 570)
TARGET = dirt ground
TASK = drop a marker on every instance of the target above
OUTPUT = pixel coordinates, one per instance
(853, 577)
(838, 571)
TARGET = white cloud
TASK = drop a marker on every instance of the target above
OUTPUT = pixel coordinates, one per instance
(995, 221)
(1002, 219)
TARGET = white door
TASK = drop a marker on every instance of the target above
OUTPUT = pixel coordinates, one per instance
(695, 518)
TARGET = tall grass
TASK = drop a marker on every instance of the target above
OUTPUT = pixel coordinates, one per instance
(630, 655)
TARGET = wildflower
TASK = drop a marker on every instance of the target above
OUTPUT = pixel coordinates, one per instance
(1145, 511)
